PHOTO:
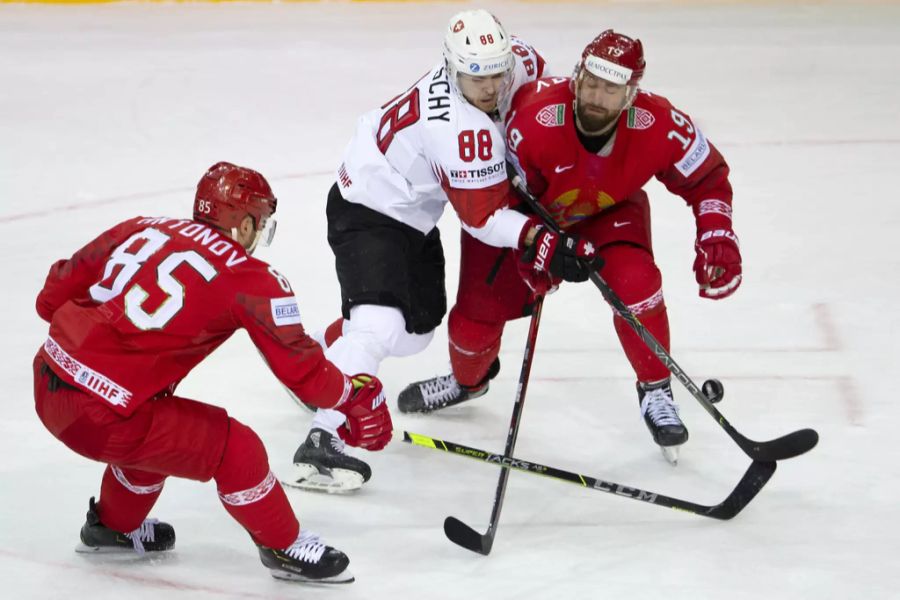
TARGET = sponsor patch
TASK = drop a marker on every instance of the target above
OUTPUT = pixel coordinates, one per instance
(638, 118)
(477, 177)
(553, 115)
(695, 155)
(285, 311)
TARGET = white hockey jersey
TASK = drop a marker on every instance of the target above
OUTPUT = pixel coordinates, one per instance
(429, 146)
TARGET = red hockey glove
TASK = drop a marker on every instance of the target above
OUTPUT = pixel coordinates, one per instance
(540, 283)
(567, 257)
(718, 263)
(368, 422)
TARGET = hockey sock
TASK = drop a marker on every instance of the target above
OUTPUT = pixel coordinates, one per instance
(328, 419)
(473, 347)
(633, 275)
(126, 497)
(250, 492)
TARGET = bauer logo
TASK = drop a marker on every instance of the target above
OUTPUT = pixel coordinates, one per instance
(285, 311)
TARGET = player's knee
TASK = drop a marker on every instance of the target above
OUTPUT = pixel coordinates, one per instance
(468, 333)
(381, 331)
(408, 344)
(244, 461)
(632, 273)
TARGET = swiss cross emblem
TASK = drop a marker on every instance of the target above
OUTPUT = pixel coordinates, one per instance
(458, 26)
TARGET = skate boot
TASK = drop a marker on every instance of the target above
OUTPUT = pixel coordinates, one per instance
(151, 536)
(661, 416)
(321, 465)
(442, 391)
(307, 559)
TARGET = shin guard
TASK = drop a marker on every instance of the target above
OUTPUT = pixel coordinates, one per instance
(251, 493)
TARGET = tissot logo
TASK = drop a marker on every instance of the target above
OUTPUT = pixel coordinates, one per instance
(497, 167)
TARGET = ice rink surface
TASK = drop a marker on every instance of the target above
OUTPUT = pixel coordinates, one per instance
(113, 111)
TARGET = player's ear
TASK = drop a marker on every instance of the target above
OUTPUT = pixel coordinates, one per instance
(246, 231)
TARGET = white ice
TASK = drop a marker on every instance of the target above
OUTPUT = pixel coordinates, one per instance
(111, 111)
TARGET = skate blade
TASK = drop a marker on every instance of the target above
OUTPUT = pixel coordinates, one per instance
(340, 481)
(345, 577)
(670, 453)
(81, 548)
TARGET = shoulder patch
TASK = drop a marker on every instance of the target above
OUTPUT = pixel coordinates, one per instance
(285, 311)
(553, 115)
(638, 118)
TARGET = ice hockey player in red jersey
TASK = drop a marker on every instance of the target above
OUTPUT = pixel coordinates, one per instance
(586, 146)
(441, 141)
(130, 315)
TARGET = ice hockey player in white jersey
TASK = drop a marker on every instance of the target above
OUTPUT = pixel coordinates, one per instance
(440, 141)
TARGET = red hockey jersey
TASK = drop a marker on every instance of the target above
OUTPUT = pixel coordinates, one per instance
(651, 139)
(137, 308)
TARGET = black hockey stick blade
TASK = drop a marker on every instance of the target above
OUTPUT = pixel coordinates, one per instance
(758, 474)
(462, 535)
(787, 446)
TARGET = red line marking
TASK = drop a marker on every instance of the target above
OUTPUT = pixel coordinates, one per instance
(37, 214)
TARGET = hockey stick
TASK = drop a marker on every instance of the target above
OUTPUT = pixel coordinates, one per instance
(787, 446)
(756, 476)
(458, 532)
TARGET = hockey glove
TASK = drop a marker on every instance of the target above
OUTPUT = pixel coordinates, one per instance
(368, 423)
(567, 257)
(718, 263)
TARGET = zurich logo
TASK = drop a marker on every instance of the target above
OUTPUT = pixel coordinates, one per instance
(474, 67)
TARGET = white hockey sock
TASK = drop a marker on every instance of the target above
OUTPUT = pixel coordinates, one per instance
(328, 419)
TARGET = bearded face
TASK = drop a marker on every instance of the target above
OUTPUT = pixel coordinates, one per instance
(598, 102)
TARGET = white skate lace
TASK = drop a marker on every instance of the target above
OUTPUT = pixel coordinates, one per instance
(440, 389)
(337, 444)
(308, 548)
(658, 403)
(145, 533)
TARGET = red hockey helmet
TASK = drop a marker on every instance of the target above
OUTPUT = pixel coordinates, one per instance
(227, 193)
(613, 57)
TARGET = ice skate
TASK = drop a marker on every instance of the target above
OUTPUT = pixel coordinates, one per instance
(442, 391)
(661, 417)
(308, 559)
(320, 464)
(151, 536)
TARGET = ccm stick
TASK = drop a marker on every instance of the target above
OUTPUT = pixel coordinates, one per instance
(756, 476)
(787, 446)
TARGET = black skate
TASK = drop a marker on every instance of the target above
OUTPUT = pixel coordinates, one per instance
(151, 536)
(442, 391)
(321, 465)
(307, 559)
(661, 416)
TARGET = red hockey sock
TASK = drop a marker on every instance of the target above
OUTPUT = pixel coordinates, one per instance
(633, 275)
(473, 347)
(126, 497)
(251, 493)
(334, 331)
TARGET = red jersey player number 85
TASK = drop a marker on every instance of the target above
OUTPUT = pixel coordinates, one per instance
(124, 263)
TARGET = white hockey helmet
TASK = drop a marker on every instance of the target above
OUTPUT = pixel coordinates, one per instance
(476, 44)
